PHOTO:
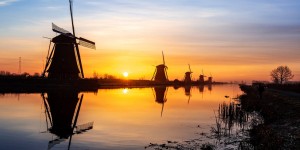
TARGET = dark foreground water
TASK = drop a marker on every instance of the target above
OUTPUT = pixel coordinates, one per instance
(112, 118)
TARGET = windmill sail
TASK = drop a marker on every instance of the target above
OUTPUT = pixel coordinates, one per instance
(58, 29)
(163, 57)
(84, 127)
(55, 142)
(87, 43)
(82, 41)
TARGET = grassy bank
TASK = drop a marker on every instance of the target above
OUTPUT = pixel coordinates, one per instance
(281, 113)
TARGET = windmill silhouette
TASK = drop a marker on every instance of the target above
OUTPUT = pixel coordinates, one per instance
(161, 96)
(187, 77)
(160, 73)
(64, 61)
(62, 109)
(201, 78)
(209, 80)
(187, 92)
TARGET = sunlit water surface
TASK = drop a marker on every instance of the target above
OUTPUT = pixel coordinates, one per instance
(122, 118)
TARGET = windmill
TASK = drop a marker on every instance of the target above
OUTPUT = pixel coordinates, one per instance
(209, 81)
(62, 110)
(201, 77)
(160, 73)
(161, 96)
(187, 78)
(64, 61)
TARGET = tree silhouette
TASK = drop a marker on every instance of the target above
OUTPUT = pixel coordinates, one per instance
(281, 74)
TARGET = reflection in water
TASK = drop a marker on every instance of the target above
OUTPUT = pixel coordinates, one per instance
(209, 86)
(201, 88)
(125, 91)
(113, 129)
(229, 115)
(187, 92)
(161, 96)
(62, 110)
(232, 120)
(227, 132)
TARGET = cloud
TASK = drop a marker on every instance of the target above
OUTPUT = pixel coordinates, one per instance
(6, 2)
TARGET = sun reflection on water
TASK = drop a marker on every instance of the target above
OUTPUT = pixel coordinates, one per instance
(125, 91)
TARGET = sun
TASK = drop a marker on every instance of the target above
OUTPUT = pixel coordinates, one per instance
(125, 74)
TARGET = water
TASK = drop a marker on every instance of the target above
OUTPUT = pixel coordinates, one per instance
(119, 118)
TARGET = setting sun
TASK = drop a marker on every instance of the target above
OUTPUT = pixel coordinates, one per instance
(125, 74)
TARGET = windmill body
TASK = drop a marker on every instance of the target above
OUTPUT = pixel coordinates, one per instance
(201, 79)
(187, 77)
(209, 81)
(160, 75)
(63, 64)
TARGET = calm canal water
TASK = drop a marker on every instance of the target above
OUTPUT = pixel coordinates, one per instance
(110, 118)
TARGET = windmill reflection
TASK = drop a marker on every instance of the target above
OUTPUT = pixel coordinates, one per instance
(62, 111)
(209, 87)
(187, 92)
(160, 94)
(201, 88)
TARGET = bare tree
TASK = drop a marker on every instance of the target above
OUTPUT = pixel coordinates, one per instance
(281, 74)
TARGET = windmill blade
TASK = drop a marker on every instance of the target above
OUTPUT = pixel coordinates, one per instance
(49, 50)
(153, 75)
(71, 13)
(87, 43)
(48, 61)
(166, 68)
(162, 109)
(58, 29)
(77, 113)
(47, 109)
(163, 57)
(84, 127)
(47, 38)
(54, 142)
(165, 98)
(75, 120)
(153, 93)
(190, 68)
(79, 60)
(47, 58)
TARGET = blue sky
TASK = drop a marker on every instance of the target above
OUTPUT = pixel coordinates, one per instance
(209, 34)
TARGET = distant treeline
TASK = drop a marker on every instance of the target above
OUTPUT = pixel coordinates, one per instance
(7, 74)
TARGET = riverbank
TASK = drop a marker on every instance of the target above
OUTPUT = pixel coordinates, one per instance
(23, 84)
(281, 113)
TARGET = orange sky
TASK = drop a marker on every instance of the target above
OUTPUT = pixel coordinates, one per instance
(241, 42)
